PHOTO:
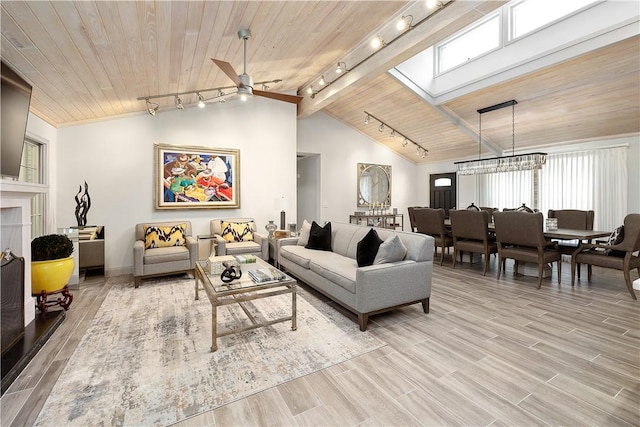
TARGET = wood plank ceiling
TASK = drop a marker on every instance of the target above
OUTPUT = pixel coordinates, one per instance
(91, 60)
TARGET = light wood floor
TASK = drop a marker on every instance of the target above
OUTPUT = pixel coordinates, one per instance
(490, 352)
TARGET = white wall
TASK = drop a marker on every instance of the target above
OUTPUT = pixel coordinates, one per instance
(116, 158)
(341, 149)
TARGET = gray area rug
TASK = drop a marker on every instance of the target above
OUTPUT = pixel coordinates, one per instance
(146, 360)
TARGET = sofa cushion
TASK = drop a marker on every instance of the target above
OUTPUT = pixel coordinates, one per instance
(242, 248)
(156, 236)
(237, 231)
(391, 250)
(368, 248)
(339, 269)
(167, 254)
(298, 254)
(303, 238)
(319, 237)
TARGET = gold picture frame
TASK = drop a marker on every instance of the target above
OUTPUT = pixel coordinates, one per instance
(190, 177)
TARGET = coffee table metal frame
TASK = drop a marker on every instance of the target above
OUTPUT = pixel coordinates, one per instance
(239, 291)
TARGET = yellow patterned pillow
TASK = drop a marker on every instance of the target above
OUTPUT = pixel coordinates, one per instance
(237, 231)
(164, 237)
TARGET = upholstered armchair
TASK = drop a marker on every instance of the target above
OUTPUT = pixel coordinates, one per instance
(163, 248)
(520, 236)
(622, 256)
(239, 236)
(431, 221)
(470, 231)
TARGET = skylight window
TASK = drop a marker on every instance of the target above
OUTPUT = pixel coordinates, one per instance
(528, 15)
(470, 43)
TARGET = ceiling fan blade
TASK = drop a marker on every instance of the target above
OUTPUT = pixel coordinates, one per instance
(294, 99)
(228, 70)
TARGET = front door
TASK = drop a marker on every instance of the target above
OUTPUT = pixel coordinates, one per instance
(443, 191)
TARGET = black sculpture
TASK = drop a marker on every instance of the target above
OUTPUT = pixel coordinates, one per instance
(83, 205)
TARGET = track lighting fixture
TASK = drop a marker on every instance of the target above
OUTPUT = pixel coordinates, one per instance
(310, 90)
(403, 25)
(244, 92)
(152, 107)
(178, 103)
(420, 150)
(201, 103)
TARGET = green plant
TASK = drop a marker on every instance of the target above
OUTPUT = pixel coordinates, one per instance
(51, 246)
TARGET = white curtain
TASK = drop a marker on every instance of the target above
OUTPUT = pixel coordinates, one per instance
(595, 179)
(506, 189)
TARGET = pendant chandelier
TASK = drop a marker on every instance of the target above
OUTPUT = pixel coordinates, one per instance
(520, 162)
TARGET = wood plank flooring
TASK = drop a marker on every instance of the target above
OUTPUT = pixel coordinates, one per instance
(490, 352)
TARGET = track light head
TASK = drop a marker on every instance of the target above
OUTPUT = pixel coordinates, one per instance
(393, 133)
(322, 81)
(341, 67)
(381, 127)
(178, 103)
(201, 103)
(404, 142)
(366, 119)
(152, 107)
(377, 42)
(404, 23)
(310, 90)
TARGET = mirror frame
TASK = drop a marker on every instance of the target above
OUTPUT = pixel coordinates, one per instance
(362, 169)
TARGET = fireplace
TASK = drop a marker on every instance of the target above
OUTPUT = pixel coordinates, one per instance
(27, 331)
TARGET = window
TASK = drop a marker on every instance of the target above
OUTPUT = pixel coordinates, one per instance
(506, 189)
(470, 43)
(529, 15)
(32, 170)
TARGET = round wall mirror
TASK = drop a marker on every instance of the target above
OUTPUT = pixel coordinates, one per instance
(374, 185)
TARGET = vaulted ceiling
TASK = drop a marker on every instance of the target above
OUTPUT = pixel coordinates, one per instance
(91, 60)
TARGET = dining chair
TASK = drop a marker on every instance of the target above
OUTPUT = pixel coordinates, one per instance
(520, 236)
(490, 211)
(622, 256)
(431, 221)
(574, 219)
(412, 219)
(470, 232)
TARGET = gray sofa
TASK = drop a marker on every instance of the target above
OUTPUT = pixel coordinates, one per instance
(363, 290)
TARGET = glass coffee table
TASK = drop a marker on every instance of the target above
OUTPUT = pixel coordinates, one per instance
(243, 289)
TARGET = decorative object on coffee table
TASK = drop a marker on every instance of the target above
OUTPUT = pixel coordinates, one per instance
(51, 268)
(271, 227)
(82, 205)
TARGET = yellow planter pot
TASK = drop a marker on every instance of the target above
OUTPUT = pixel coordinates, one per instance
(50, 275)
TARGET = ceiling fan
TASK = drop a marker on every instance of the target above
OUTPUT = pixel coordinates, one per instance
(244, 82)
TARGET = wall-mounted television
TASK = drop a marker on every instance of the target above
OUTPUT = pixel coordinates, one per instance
(15, 95)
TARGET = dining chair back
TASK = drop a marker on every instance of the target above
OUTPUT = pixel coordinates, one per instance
(431, 221)
(470, 232)
(575, 219)
(623, 256)
(520, 236)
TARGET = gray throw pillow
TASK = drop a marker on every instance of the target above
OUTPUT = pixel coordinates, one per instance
(391, 250)
(303, 238)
